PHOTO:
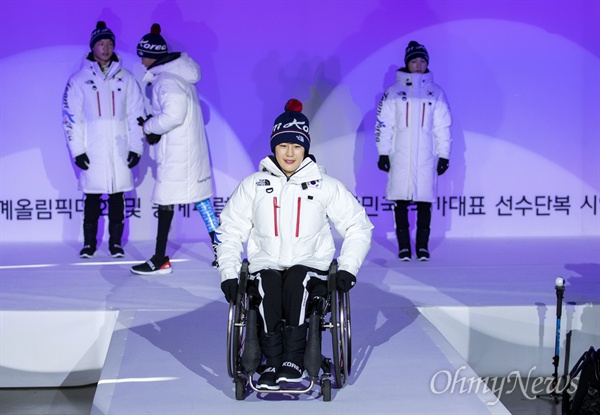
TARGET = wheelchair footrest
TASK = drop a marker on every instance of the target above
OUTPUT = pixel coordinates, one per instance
(293, 390)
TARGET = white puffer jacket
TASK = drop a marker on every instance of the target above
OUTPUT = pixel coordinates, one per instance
(413, 128)
(100, 119)
(183, 172)
(286, 222)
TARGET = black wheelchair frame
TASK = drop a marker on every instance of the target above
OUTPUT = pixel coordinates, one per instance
(335, 317)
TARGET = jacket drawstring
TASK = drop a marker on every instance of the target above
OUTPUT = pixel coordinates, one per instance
(298, 218)
(98, 99)
(275, 207)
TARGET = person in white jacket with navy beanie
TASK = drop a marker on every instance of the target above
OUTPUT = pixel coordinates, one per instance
(413, 141)
(100, 106)
(175, 130)
(283, 213)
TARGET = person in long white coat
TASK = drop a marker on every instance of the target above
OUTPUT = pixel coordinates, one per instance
(100, 104)
(283, 212)
(413, 141)
(176, 131)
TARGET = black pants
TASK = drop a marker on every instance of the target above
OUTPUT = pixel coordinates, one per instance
(92, 208)
(284, 294)
(402, 225)
(423, 214)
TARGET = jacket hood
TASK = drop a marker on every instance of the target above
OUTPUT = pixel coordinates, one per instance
(179, 64)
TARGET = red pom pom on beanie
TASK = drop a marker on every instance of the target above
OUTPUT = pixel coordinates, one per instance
(293, 105)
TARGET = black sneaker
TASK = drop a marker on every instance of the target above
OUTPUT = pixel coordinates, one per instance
(289, 372)
(153, 266)
(404, 255)
(87, 251)
(267, 380)
(423, 254)
(116, 251)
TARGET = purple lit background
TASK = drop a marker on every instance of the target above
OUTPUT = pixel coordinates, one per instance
(522, 77)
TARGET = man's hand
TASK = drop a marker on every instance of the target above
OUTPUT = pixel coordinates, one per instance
(345, 281)
(82, 161)
(133, 159)
(384, 163)
(152, 138)
(442, 166)
(230, 289)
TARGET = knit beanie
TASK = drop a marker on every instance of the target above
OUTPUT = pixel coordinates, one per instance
(152, 45)
(101, 32)
(415, 50)
(291, 127)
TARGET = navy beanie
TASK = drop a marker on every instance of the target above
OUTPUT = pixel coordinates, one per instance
(291, 127)
(101, 32)
(152, 45)
(415, 50)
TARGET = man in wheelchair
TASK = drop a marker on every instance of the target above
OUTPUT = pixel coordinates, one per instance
(283, 213)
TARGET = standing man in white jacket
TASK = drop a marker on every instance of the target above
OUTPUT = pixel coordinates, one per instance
(100, 106)
(176, 132)
(283, 212)
(413, 140)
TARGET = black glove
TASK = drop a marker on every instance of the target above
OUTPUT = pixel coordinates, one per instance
(345, 281)
(141, 120)
(82, 161)
(442, 166)
(230, 289)
(384, 163)
(133, 159)
(152, 138)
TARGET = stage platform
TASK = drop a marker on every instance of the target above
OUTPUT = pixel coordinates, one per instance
(422, 332)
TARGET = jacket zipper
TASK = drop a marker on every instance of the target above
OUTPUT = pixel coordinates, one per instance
(298, 218)
(275, 207)
(98, 98)
(423, 116)
(407, 114)
(113, 102)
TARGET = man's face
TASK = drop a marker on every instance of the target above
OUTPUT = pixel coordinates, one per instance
(103, 51)
(147, 61)
(417, 65)
(289, 156)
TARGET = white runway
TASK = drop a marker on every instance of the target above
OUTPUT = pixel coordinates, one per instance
(167, 353)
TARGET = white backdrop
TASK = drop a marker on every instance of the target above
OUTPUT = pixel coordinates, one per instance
(525, 103)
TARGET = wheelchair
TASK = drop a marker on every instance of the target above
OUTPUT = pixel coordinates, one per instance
(332, 313)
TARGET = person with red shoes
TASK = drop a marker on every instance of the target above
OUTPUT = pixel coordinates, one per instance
(175, 130)
(283, 213)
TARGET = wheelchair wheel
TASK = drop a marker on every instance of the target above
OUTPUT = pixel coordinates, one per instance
(235, 337)
(341, 336)
(236, 324)
(240, 389)
(326, 389)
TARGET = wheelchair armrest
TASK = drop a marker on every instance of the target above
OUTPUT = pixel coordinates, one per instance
(331, 278)
(243, 277)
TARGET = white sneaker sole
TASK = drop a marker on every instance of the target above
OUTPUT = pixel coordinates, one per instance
(299, 379)
(156, 272)
(268, 387)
